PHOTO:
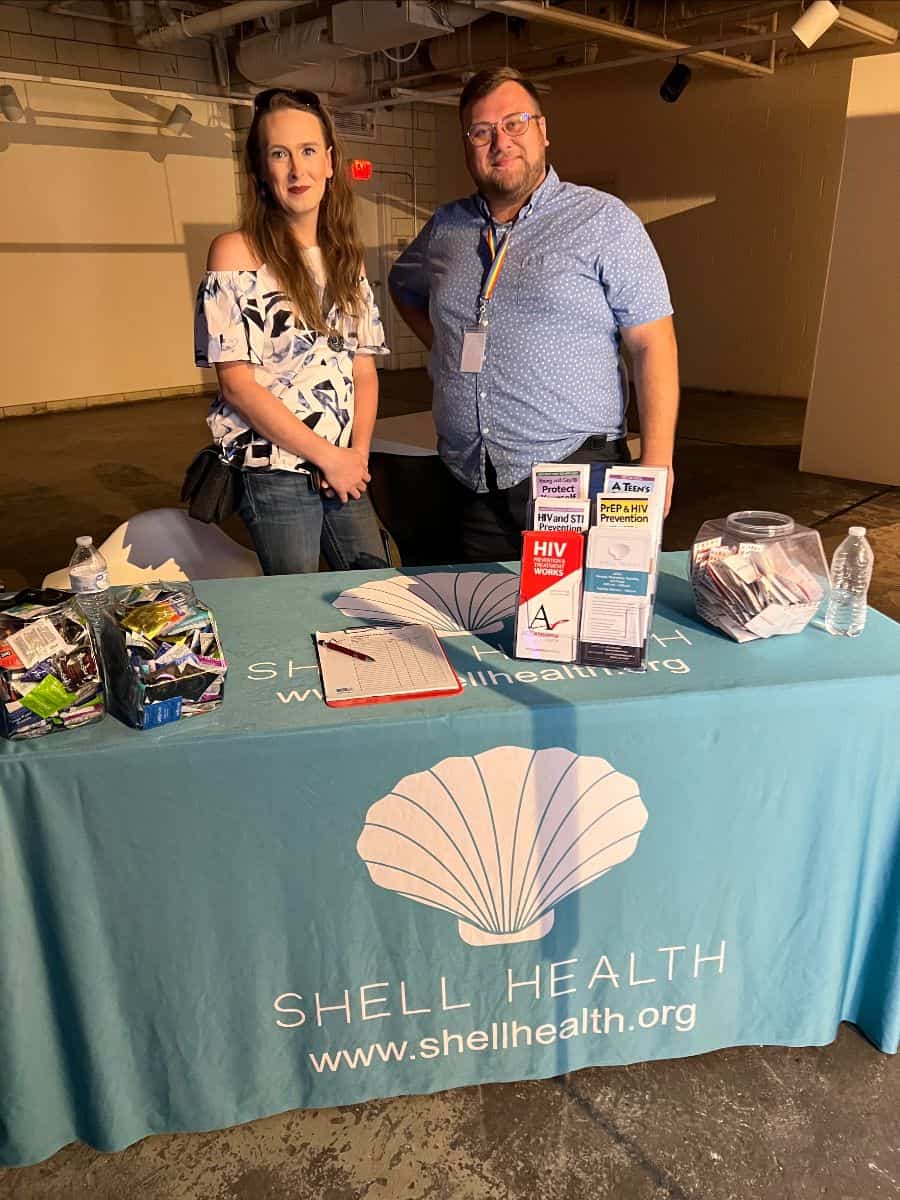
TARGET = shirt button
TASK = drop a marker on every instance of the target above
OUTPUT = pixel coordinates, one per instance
(486, 429)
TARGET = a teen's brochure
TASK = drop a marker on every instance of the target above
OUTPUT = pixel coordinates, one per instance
(378, 663)
(629, 482)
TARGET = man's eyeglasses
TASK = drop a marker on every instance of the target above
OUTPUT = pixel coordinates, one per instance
(513, 125)
(262, 100)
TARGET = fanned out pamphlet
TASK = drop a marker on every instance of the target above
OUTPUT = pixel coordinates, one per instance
(378, 663)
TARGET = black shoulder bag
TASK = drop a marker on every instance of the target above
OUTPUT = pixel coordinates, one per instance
(211, 487)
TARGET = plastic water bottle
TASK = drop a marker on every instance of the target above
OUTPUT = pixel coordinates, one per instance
(851, 571)
(89, 579)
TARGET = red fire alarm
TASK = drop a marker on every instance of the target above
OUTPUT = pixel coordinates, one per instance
(360, 168)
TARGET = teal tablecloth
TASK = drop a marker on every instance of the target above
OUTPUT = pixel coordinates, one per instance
(189, 936)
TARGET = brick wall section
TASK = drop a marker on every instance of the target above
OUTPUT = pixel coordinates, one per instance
(405, 137)
(34, 42)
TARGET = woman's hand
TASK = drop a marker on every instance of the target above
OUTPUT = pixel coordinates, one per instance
(345, 472)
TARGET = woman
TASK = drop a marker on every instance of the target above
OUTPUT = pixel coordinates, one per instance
(288, 320)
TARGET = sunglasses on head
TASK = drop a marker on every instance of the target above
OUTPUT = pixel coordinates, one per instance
(262, 100)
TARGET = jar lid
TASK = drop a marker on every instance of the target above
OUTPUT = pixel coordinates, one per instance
(754, 523)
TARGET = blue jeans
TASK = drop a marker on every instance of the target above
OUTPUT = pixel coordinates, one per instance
(290, 524)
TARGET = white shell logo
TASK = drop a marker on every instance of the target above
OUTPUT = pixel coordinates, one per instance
(453, 602)
(499, 839)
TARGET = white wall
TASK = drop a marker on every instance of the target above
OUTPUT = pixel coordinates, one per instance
(105, 224)
(853, 417)
(747, 272)
(105, 221)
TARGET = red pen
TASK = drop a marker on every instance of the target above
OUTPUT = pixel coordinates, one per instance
(346, 650)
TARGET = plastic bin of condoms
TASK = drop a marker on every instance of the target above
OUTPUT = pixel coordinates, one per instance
(163, 656)
(757, 574)
(50, 678)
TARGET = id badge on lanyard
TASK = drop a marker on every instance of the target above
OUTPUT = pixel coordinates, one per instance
(474, 344)
(474, 339)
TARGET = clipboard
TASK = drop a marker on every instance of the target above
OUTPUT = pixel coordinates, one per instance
(376, 664)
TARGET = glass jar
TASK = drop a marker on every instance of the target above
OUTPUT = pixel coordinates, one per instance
(755, 574)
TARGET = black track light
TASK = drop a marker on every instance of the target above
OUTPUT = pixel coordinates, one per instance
(675, 83)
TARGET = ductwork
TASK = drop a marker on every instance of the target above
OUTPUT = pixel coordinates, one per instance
(327, 55)
(342, 77)
(215, 21)
(302, 55)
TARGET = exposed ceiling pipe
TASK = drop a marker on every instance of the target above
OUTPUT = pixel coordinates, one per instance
(421, 95)
(493, 41)
(865, 26)
(451, 55)
(418, 96)
(527, 10)
(220, 60)
(397, 97)
(62, 9)
(93, 85)
(610, 64)
(214, 21)
(703, 13)
(800, 57)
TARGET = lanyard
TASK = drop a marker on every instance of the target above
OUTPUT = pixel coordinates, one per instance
(498, 258)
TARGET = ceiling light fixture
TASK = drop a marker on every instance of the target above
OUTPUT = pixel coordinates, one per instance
(675, 82)
(9, 104)
(816, 20)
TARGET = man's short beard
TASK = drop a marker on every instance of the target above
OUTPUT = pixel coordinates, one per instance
(511, 191)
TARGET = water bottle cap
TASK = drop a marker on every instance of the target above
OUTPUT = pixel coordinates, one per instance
(857, 531)
(84, 540)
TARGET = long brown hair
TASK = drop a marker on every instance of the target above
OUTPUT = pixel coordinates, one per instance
(265, 226)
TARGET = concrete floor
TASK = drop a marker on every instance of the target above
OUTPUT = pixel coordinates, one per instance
(745, 1124)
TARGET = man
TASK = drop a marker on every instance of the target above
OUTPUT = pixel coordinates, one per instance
(522, 293)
